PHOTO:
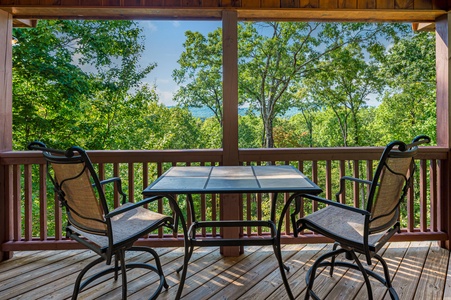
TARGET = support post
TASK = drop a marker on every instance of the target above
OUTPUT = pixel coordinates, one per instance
(231, 205)
(443, 69)
(5, 126)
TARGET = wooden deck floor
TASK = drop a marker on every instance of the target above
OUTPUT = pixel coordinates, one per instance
(419, 269)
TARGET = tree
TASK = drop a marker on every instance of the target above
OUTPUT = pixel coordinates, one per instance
(408, 105)
(72, 79)
(201, 70)
(274, 59)
(343, 83)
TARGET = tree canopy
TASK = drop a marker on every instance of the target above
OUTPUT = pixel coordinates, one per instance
(80, 82)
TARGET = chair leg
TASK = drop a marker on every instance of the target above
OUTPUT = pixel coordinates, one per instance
(387, 282)
(123, 273)
(157, 268)
(78, 286)
(332, 260)
(116, 267)
(311, 273)
(364, 274)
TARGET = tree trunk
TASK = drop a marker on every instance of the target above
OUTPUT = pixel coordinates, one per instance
(269, 138)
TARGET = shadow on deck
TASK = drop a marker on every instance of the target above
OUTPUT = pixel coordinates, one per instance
(419, 269)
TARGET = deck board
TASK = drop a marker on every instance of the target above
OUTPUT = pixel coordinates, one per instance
(420, 270)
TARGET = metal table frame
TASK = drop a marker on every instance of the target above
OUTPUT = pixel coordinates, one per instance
(233, 180)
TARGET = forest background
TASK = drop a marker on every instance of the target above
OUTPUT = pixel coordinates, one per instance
(80, 83)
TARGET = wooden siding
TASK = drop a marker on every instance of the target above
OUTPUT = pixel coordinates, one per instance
(419, 271)
(328, 10)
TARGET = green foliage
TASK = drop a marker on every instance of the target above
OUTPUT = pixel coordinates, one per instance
(201, 70)
(80, 83)
(72, 80)
(408, 107)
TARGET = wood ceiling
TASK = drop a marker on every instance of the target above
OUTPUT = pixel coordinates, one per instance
(300, 10)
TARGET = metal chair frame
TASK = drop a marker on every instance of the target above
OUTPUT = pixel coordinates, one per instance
(114, 249)
(393, 150)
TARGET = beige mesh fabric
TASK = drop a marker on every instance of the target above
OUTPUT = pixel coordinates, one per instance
(126, 225)
(388, 192)
(79, 194)
(342, 223)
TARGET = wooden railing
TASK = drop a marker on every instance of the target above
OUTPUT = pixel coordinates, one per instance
(35, 220)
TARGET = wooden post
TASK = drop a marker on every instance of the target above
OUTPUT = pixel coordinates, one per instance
(443, 69)
(5, 125)
(231, 208)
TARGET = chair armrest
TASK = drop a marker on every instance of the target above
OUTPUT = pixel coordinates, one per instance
(348, 178)
(337, 204)
(132, 206)
(118, 182)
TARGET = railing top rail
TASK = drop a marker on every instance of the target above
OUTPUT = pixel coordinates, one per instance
(333, 153)
(215, 155)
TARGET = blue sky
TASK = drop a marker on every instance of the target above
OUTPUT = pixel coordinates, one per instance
(164, 44)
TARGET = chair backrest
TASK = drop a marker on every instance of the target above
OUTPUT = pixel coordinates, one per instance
(391, 182)
(77, 186)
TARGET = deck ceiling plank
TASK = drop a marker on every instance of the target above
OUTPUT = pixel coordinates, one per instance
(301, 10)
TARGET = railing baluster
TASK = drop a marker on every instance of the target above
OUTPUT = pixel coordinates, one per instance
(131, 182)
(28, 203)
(423, 196)
(116, 173)
(433, 194)
(328, 179)
(43, 202)
(314, 179)
(58, 218)
(410, 209)
(342, 173)
(324, 167)
(17, 204)
(356, 185)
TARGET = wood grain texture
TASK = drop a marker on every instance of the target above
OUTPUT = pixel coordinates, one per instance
(419, 271)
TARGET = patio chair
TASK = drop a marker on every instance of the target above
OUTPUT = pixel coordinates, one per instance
(364, 231)
(91, 223)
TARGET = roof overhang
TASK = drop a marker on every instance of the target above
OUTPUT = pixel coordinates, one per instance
(215, 13)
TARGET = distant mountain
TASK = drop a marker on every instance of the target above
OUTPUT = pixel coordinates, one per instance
(205, 112)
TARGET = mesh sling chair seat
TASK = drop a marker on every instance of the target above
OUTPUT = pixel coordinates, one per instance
(90, 222)
(363, 231)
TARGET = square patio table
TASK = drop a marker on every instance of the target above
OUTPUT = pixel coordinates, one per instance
(193, 180)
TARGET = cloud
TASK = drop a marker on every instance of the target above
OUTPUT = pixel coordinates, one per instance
(176, 24)
(165, 97)
(151, 26)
